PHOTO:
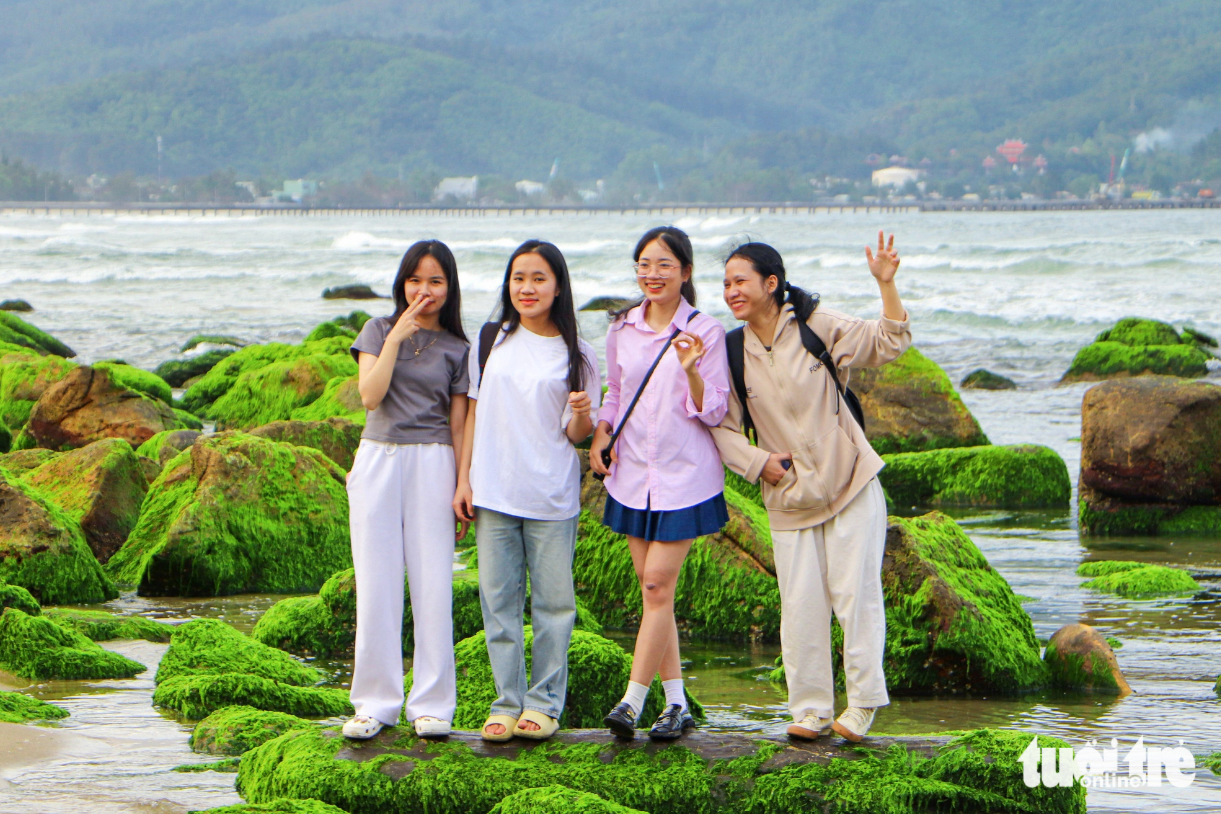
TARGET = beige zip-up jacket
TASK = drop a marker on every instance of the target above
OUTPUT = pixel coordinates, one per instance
(793, 402)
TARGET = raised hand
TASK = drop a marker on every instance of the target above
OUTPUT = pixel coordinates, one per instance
(689, 348)
(886, 263)
(406, 326)
(580, 404)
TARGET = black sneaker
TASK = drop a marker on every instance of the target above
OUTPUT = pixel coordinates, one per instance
(673, 722)
(621, 721)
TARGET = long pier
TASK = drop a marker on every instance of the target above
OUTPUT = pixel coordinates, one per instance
(89, 209)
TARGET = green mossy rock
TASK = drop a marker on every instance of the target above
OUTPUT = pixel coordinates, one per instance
(976, 772)
(1004, 477)
(220, 379)
(18, 708)
(6, 439)
(14, 596)
(1137, 580)
(606, 303)
(326, 330)
(19, 462)
(211, 647)
(142, 381)
(910, 405)
(239, 514)
(177, 372)
(43, 550)
(24, 377)
(165, 446)
(188, 420)
(1199, 338)
(598, 672)
(1136, 347)
(352, 291)
(1078, 657)
(952, 622)
(210, 339)
(558, 800)
(236, 730)
(16, 331)
(1137, 332)
(36, 648)
(100, 486)
(986, 380)
(198, 696)
(286, 805)
(228, 765)
(1102, 515)
(100, 626)
(336, 438)
(16, 305)
(340, 399)
(354, 320)
(271, 393)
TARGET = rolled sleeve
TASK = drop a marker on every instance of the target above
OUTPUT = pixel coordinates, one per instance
(714, 368)
(737, 452)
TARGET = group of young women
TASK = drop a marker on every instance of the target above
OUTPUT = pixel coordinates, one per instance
(486, 434)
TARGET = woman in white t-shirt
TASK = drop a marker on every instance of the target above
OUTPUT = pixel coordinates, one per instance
(534, 382)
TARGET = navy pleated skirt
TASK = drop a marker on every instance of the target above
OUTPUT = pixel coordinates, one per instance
(665, 527)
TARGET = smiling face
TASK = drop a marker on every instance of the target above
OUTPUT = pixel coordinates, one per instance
(428, 278)
(659, 274)
(747, 294)
(532, 286)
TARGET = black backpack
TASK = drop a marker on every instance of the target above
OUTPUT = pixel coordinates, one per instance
(735, 346)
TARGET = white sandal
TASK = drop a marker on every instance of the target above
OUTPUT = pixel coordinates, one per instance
(362, 727)
(426, 726)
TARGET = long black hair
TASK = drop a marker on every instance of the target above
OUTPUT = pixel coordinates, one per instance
(563, 308)
(451, 312)
(679, 244)
(767, 262)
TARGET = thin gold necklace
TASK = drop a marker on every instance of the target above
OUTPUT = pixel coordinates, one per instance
(419, 350)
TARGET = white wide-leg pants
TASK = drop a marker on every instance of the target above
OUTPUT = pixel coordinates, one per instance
(834, 567)
(400, 502)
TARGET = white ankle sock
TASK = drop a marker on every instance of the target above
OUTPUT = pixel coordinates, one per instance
(636, 693)
(674, 692)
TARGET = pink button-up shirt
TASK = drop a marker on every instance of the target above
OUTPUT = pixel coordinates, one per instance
(667, 458)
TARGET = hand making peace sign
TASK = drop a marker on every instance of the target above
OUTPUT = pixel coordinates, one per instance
(406, 326)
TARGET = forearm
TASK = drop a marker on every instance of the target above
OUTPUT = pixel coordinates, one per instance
(695, 384)
(375, 379)
(892, 306)
(457, 427)
(468, 443)
(579, 427)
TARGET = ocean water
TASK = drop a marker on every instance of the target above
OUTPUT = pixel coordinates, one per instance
(1017, 293)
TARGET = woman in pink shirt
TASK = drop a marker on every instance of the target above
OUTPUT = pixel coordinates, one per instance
(665, 483)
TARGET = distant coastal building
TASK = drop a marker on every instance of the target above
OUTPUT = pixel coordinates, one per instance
(896, 176)
(463, 189)
(529, 188)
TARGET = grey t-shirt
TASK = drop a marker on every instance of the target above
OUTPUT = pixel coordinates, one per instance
(416, 407)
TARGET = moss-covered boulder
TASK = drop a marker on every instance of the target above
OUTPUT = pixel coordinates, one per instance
(236, 730)
(16, 331)
(177, 372)
(326, 330)
(43, 550)
(239, 514)
(24, 377)
(1137, 347)
(952, 622)
(356, 320)
(6, 439)
(1136, 580)
(89, 404)
(1006, 477)
(19, 708)
(1078, 657)
(165, 446)
(100, 626)
(36, 648)
(211, 339)
(209, 646)
(19, 462)
(286, 805)
(198, 696)
(273, 392)
(982, 379)
(340, 398)
(910, 405)
(336, 438)
(142, 381)
(1150, 457)
(558, 800)
(16, 305)
(14, 596)
(101, 486)
(352, 291)
(735, 774)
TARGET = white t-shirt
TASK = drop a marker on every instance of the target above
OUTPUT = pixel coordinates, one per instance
(523, 463)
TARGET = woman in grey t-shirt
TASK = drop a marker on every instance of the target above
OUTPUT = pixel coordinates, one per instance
(413, 382)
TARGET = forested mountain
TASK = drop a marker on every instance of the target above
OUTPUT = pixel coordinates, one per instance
(709, 90)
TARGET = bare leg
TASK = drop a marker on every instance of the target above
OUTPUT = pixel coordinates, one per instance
(657, 566)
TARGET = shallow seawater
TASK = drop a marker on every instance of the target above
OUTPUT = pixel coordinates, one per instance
(1016, 293)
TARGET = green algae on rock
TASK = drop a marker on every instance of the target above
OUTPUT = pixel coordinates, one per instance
(558, 800)
(1005, 477)
(209, 646)
(236, 730)
(336, 438)
(100, 626)
(22, 461)
(986, 380)
(6, 438)
(36, 648)
(177, 372)
(165, 446)
(978, 771)
(910, 405)
(1107, 516)
(142, 381)
(101, 486)
(16, 331)
(210, 339)
(1079, 658)
(239, 514)
(14, 596)
(286, 805)
(24, 377)
(326, 330)
(18, 708)
(1135, 347)
(274, 391)
(228, 765)
(198, 696)
(340, 398)
(43, 550)
(1136, 580)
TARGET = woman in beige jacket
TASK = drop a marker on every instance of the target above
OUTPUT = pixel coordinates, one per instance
(819, 476)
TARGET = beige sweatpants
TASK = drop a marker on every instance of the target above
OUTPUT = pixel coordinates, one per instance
(834, 567)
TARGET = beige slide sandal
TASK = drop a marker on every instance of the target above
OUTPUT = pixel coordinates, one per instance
(507, 721)
(547, 726)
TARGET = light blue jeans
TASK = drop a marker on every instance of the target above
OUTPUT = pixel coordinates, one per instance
(509, 547)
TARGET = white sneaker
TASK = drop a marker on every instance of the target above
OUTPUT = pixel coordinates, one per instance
(854, 723)
(427, 726)
(810, 727)
(362, 727)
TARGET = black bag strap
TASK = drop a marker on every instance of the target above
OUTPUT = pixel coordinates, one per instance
(487, 338)
(735, 348)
